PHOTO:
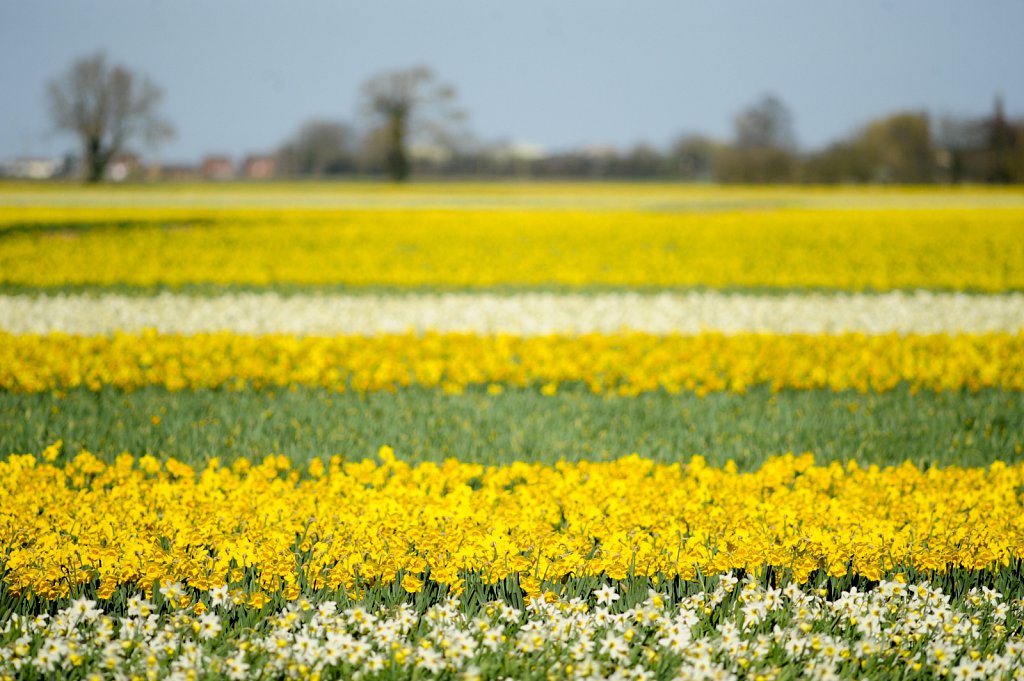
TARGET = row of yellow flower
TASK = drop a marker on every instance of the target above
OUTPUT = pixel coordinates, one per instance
(977, 248)
(625, 364)
(348, 524)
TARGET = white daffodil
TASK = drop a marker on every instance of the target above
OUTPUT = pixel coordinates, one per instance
(528, 314)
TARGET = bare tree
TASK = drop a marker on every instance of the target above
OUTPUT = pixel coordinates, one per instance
(768, 124)
(405, 104)
(765, 145)
(106, 106)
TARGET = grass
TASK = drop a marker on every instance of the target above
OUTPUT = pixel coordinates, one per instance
(926, 429)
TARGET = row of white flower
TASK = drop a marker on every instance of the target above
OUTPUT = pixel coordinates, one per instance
(739, 629)
(523, 313)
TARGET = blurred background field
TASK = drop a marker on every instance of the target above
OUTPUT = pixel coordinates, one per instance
(469, 236)
(39, 202)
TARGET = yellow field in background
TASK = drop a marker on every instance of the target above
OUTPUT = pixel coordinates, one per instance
(467, 236)
(503, 195)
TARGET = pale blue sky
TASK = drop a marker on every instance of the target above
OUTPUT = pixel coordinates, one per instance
(241, 75)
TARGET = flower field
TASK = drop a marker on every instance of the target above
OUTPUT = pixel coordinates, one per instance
(513, 431)
(621, 364)
(870, 249)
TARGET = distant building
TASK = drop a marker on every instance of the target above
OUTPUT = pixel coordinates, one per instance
(124, 167)
(259, 167)
(31, 168)
(599, 152)
(217, 168)
(514, 158)
(430, 153)
(175, 172)
(518, 151)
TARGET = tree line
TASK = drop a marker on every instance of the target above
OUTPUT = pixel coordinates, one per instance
(904, 147)
(411, 124)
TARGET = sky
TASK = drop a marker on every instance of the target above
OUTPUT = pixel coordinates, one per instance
(240, 76)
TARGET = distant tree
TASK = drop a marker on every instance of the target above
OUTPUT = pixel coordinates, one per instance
(764, 149)
(693, 157)
(643, 160)
(840, 162)
(958, 142)
(1002, 142)
(319, 148)
(404, 104)
(899, 148)
(896, 148)
(767, 124)
(981, 149)
(106, 107)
